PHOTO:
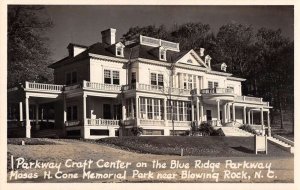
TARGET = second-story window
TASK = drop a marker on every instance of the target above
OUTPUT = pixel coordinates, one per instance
(116, 77)
(213, 84)
(157, 79)
(189, 81)
(111, 77)
(71, 78)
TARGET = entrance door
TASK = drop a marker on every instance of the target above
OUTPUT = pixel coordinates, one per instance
(208, 115)
(106, 111)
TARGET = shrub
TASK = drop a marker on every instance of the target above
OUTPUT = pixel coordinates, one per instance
(249, 129)
(137, 131)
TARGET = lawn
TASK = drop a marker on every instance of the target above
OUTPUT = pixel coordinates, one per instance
(192, 146)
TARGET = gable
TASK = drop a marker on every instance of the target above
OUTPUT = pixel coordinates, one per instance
(191, 58)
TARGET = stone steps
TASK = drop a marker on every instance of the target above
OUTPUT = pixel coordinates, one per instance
(281, 144)
(235, 132)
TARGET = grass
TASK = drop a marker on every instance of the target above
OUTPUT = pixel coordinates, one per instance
(192, 146)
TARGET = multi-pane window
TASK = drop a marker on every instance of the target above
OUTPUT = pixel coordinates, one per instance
(216, 84)
(162, 110)
(107, 77)
(149, 108)
(181, 108)
(169, 110)
(111, 77)
(175, 110)
(189, 81)
(160, 80)
(156, 108)
(212, 84)
(116, 77)
(153, 79)
(187, 111)
(157, 79)
(71, 78)
(143, 108)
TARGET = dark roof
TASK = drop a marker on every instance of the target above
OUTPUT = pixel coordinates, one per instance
(131, 51)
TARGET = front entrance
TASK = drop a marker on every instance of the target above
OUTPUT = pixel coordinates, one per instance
(106, 111)
(208, 115)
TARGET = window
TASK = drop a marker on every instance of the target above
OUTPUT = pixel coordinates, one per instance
(153, 79)
(143, 108)
(160, 80)
(162, 54)
(71, 78)
(116, 77)
(133, 77)
(180, 105)
(212, 84)
(72, 113)
(216, 84)
(107, 77)
(149, 108)
(119, 51)
(189, 81)
(128, 108)
(169, 110)
(156, 108)
(188, 111)
(111, 77)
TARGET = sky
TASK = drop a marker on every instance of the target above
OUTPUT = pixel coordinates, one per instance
(83, 24)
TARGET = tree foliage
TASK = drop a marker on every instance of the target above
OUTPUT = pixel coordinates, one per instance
(28, 53)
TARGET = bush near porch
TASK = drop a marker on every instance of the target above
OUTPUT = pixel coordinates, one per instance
(196, 146)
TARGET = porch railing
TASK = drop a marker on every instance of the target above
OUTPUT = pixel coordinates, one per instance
(152, 122)
(72, 123)
(217, 91)
(251, 99)
(102, 122)
(214, 122)
(42, 86)
(157, 89)
(180, 123)
(101, 86)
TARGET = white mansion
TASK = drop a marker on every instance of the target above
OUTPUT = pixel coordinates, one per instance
(108, 88)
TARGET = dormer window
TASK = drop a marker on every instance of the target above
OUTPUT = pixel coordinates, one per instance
(223, 67)
(119, 48)
(119, 51)
(162, 54)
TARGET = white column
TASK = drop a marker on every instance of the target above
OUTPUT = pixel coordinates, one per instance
(193, 111)
(218, 109)
(233, 112)
(249, 117)
(177, 110)
(123, 109)
(262, 121)
(146, 107)
(137, 101)
(229, 115)
(37, 117)
(21, 110)
(84, 108)
(65, 110)
(244, 114)
(197, 111)
(201, 113)
(225, 113)
(28, 127)
(269, 125)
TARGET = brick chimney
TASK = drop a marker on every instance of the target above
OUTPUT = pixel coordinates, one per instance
(109, 36)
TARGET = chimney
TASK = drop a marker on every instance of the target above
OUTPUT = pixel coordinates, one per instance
(109, 36)
(201, 52)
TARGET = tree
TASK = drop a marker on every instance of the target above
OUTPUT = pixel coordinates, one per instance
(234, 46)
(276, 61)
(28, 54)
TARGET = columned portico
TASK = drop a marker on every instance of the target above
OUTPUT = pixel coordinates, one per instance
(21, 110)
(233, 112)
(218, 110)
(225, 112)
(228, 113)
(244, 115)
